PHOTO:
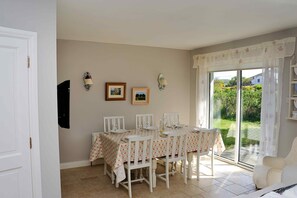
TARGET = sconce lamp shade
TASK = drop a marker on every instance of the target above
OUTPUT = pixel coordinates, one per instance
(162, 82)
(88, 82)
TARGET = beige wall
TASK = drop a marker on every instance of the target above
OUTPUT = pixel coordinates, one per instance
(40, 17)
(138, 67)
(288, 128)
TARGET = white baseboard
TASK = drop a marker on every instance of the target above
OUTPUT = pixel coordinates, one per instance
(77, 164)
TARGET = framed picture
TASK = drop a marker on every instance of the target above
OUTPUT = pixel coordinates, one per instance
(115, 91)
(140, 96)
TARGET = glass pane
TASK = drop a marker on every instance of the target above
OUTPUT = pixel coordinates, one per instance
(250, 115)
(223, 108)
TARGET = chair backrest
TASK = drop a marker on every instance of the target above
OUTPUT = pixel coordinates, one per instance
(140, 151)
(171, 119)
(144, 120)
(206, 140)
(292, 156)
(114, 123)
(176, 148)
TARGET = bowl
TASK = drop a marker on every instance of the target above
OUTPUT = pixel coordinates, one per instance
(294, 114)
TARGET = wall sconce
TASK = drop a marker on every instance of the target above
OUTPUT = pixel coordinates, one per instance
(162, 82)
(87, 80)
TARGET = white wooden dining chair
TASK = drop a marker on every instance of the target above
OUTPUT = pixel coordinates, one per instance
(139, 156)
(112, 123)
(144, 120)
(176, 150)
(205, 146)
(171, 119)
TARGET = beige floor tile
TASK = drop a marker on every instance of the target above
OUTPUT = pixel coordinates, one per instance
(211, 188)
(224, 181)
(89, 182)
(189, 189)
(206, 182)
(236, 189)
(221, 193)
(198, 196)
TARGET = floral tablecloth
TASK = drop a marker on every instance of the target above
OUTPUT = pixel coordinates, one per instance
(115, 150)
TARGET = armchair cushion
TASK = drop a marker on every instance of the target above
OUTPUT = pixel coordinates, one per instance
(274, 162)
(265, 176)
(289, 174)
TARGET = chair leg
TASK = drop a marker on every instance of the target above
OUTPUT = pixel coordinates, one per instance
(167, 174)
(185, 174)
(181, 167)
(141, 174)
(129, 183)
(105, 167)
(197, 166)
(212, 159)
(151, 179)
(112, 177)
(154, 167)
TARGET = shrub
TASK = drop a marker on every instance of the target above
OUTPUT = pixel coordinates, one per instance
(225, 102)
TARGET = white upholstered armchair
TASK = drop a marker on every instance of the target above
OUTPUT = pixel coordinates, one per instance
(273, 170)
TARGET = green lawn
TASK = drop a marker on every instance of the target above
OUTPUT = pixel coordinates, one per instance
(250, 132)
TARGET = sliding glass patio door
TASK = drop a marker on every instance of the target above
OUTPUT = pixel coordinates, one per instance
(235, 108)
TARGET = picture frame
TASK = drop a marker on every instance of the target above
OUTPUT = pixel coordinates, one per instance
(115, 91)
(140, 96)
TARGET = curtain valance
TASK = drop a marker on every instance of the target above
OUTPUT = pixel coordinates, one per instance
(240, 57)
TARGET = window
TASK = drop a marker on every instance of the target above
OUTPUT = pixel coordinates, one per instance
(235, 108)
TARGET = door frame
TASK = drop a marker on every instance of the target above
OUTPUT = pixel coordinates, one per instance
(31, 38)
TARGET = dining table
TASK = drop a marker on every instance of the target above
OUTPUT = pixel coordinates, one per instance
(113, 147)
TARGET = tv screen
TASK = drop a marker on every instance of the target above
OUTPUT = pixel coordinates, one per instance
(63, 104)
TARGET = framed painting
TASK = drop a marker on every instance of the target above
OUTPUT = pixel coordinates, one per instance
(115, 91)
(140, 96)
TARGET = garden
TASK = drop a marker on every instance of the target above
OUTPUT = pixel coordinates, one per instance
(224, 111)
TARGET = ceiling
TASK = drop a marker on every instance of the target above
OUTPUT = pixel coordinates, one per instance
(177, 24)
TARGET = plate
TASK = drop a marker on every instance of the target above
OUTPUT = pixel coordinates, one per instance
(119, 131)
(178, 126)
(295, 103)
(150, 128)
(131, 136)
(198, 129)
(167, 132)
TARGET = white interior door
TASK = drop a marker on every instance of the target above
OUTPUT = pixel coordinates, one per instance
(15, 158)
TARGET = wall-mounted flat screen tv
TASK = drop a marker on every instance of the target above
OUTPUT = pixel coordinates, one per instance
(63, 104)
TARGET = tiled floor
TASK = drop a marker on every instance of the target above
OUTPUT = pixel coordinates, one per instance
(229, 181)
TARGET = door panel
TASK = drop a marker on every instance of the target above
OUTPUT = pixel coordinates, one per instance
(250, 129)
(7, 144)
(15, 162)
(8, 179)
(223, 103)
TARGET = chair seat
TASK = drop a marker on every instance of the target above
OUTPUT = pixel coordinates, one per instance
(139, 165)
(171, 159)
